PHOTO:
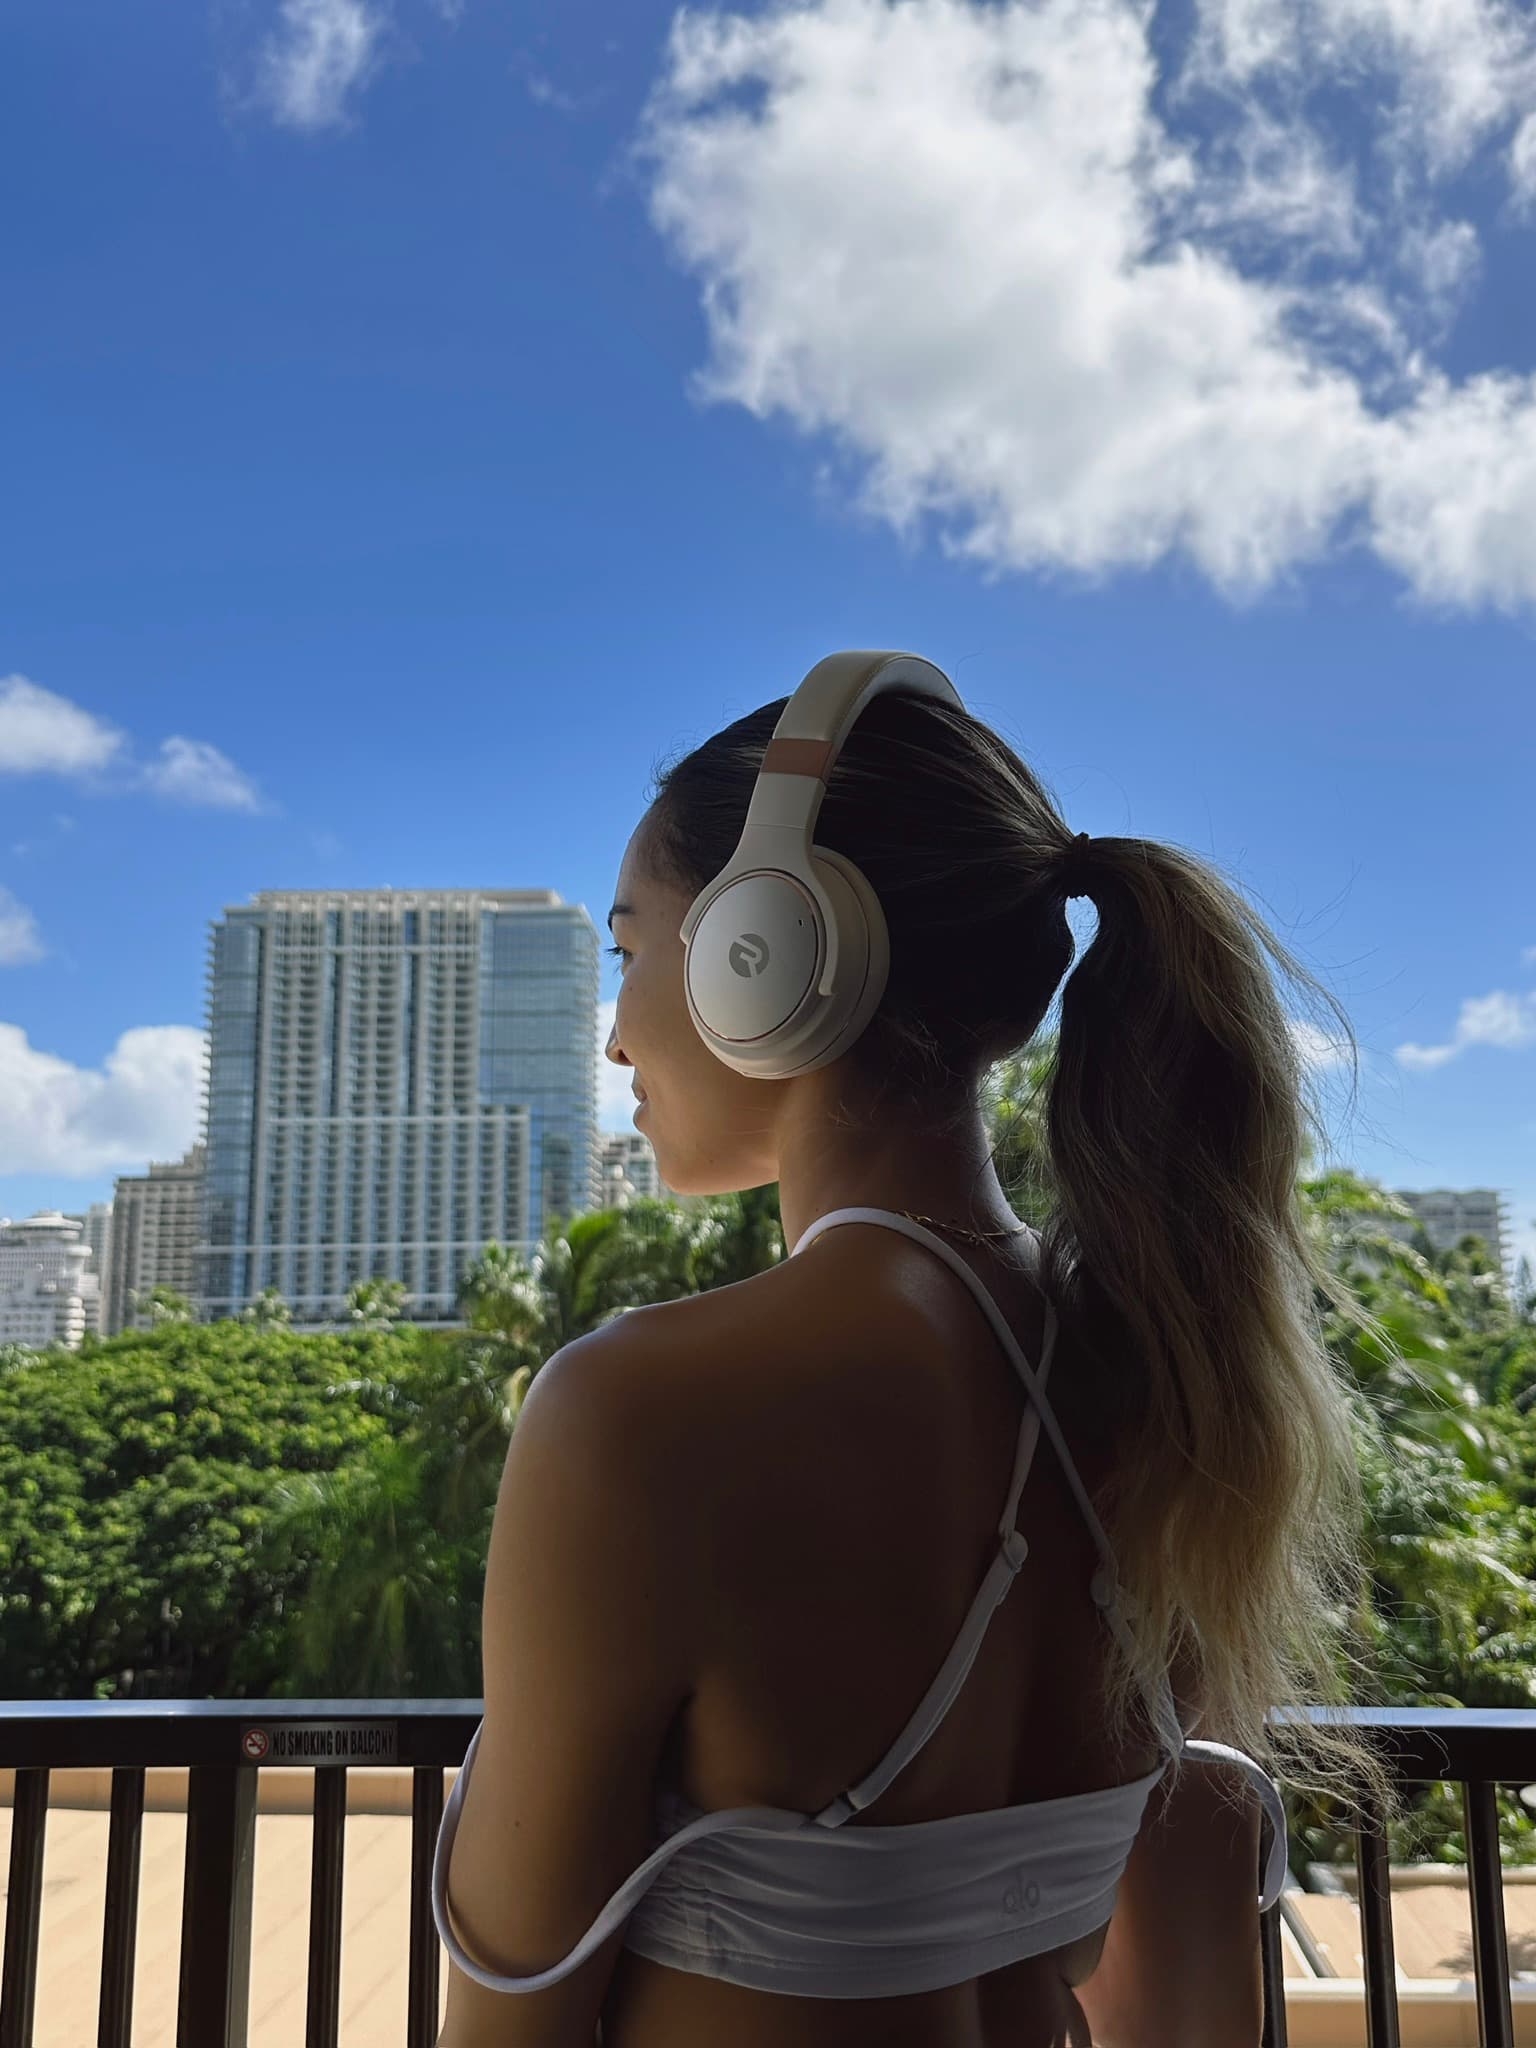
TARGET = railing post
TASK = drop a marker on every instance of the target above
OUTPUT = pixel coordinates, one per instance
(323, 2016)
(1275, 2034)
(24, 1908)
(214, 1994)
(121, 1913)
(1490, 1949)
(423, 1990)
(1381, 2016)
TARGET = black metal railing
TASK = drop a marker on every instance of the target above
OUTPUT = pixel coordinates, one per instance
(1478, 1748)
(223, 1744)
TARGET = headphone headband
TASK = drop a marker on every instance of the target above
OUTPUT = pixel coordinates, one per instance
(816, 722)
(809, 736)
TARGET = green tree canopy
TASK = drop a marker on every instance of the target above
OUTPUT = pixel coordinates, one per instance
(135, 1481)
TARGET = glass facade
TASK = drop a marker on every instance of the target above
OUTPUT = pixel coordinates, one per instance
(395, 1077)
(538, 1039)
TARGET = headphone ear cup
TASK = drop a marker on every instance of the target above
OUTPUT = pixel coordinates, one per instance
(864, 956)
(828, 1025)
(755, 956)
(751, 965)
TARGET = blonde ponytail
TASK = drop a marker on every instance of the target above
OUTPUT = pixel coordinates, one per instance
(1176, 1110)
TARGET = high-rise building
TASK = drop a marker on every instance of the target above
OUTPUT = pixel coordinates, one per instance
(96, 1231)
(42, 1281)
(156, 1227)
(395, 1076)
(629, 1170)
(1450, 1214)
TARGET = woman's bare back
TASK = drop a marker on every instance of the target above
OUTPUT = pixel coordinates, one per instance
(845, 1428)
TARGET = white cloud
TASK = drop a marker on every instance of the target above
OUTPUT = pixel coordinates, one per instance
(19, 941)
(193, 772)
(1500, 1019)
(1423, 1057)
(1522, 161)
(1454, 72)
(144, 1102)
(1318, 1049)
(544, 92)
(1442, 260)
(321, 51)
(615, 1085)
(1080, 313)
(44, 734)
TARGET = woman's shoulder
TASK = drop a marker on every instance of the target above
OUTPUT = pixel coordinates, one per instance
(864, 1330)
(806, 1307)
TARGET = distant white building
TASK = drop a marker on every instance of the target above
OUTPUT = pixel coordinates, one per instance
(628, 1171)
(1450, 1214)
(96, 1231)
(156, 1225)
(42, 1282)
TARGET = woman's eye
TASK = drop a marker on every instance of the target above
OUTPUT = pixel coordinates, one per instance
(617, 951)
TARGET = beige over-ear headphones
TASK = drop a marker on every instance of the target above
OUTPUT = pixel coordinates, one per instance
(786, 949)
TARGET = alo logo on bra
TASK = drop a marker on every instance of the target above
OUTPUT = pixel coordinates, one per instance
(748, 954)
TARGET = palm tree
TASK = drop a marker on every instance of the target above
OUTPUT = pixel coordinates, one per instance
(1451, 1598)
(471, 1393)
(498, 1294)
(735, 1236)
(598, 1266)
(1392, 1322)
(1524, 1297)
(267, 1310)
(376, 1303)
(586, 1270)
(391, 1607)
(161, 1305)
(1013, 1102)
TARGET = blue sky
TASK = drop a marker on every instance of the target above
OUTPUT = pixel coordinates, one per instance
(419, 420)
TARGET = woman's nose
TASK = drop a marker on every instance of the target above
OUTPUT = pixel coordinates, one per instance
(611, 1049)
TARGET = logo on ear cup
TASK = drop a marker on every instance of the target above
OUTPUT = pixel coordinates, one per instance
(748, 954)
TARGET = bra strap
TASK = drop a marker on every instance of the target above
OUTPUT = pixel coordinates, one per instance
(1277, 1855)
(1104, 1587)
(620, 1904)
(1033, 1382)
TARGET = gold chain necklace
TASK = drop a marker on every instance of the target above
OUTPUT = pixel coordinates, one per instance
(975, 1236)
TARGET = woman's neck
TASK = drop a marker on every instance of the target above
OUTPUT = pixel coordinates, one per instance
(836, 1153)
